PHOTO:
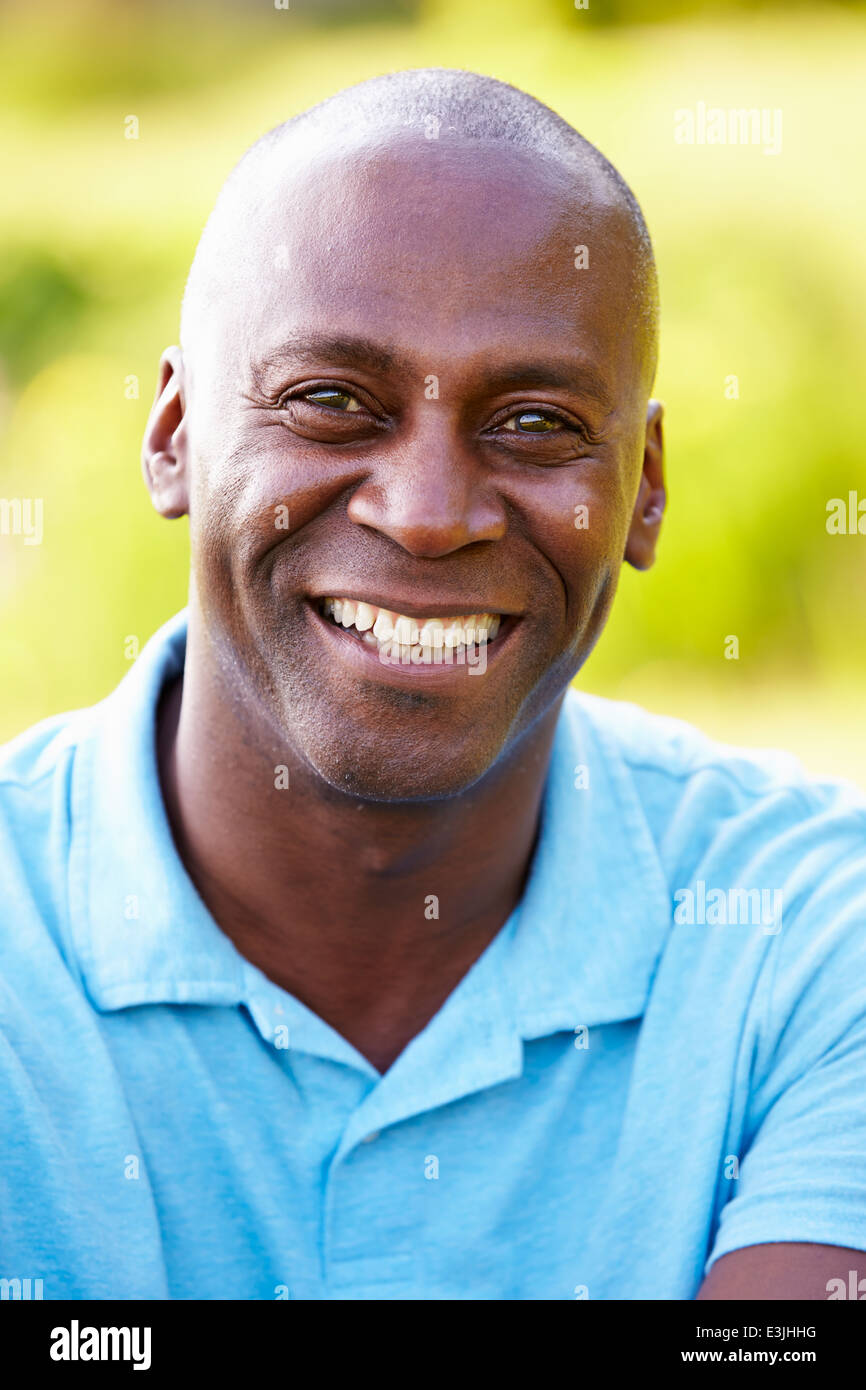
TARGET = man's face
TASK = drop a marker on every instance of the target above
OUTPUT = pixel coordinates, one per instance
(409, 396)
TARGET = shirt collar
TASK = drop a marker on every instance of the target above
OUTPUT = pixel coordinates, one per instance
(580, 949)
(596, 908)
(142, 933)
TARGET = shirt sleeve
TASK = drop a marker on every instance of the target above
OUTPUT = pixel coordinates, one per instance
(802, 1166)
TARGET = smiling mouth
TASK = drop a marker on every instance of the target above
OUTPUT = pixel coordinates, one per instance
(423, 641)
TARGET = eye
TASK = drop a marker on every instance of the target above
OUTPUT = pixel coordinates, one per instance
(330, 396)
(533, 422)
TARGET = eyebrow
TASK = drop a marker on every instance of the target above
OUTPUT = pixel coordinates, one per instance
(571, 376)
(320, 347)
(340, 350)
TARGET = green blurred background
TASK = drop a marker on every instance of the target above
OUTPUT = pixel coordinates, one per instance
(762, 268)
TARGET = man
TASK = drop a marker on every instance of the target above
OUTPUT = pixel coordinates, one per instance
(346, 952)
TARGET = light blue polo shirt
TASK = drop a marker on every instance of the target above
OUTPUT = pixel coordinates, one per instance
(660, 1057)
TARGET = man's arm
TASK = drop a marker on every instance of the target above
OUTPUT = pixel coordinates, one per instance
(787, 1271)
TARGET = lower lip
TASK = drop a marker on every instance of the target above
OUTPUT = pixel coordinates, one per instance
(366, 659)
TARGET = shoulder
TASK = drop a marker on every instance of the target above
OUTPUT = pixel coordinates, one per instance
(763, 871)
(35, 762)
(672, 748)
(719, 805)
(38, 752)
(36, 813)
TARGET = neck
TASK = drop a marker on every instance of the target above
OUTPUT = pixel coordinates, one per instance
(370, 913)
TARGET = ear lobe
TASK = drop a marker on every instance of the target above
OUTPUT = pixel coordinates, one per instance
(163, 451)
(640, 550)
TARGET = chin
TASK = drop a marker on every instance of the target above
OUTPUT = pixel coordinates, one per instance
(378, 772)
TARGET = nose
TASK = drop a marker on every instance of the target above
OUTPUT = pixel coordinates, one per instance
(432, 497)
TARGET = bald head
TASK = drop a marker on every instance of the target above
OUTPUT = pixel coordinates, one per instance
(433, 105)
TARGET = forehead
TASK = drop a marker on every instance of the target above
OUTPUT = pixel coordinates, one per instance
(448, 248)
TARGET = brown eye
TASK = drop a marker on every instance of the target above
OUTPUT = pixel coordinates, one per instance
(330, 396)
(533, 422)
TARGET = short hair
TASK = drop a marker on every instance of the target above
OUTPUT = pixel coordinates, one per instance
(476, 107)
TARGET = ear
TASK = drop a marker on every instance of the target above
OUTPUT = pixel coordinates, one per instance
(646, 521)
(164, 448)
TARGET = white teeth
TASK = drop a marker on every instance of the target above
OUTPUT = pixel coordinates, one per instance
(432, 633)
(365, 617)
(419, 639)
(383, 628)
(406, 631)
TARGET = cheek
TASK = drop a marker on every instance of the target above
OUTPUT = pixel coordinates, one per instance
(253, 471)
(580, 519)
(579, 523)
(249, 490)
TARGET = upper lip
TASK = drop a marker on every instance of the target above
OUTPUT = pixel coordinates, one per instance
(421, 609)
